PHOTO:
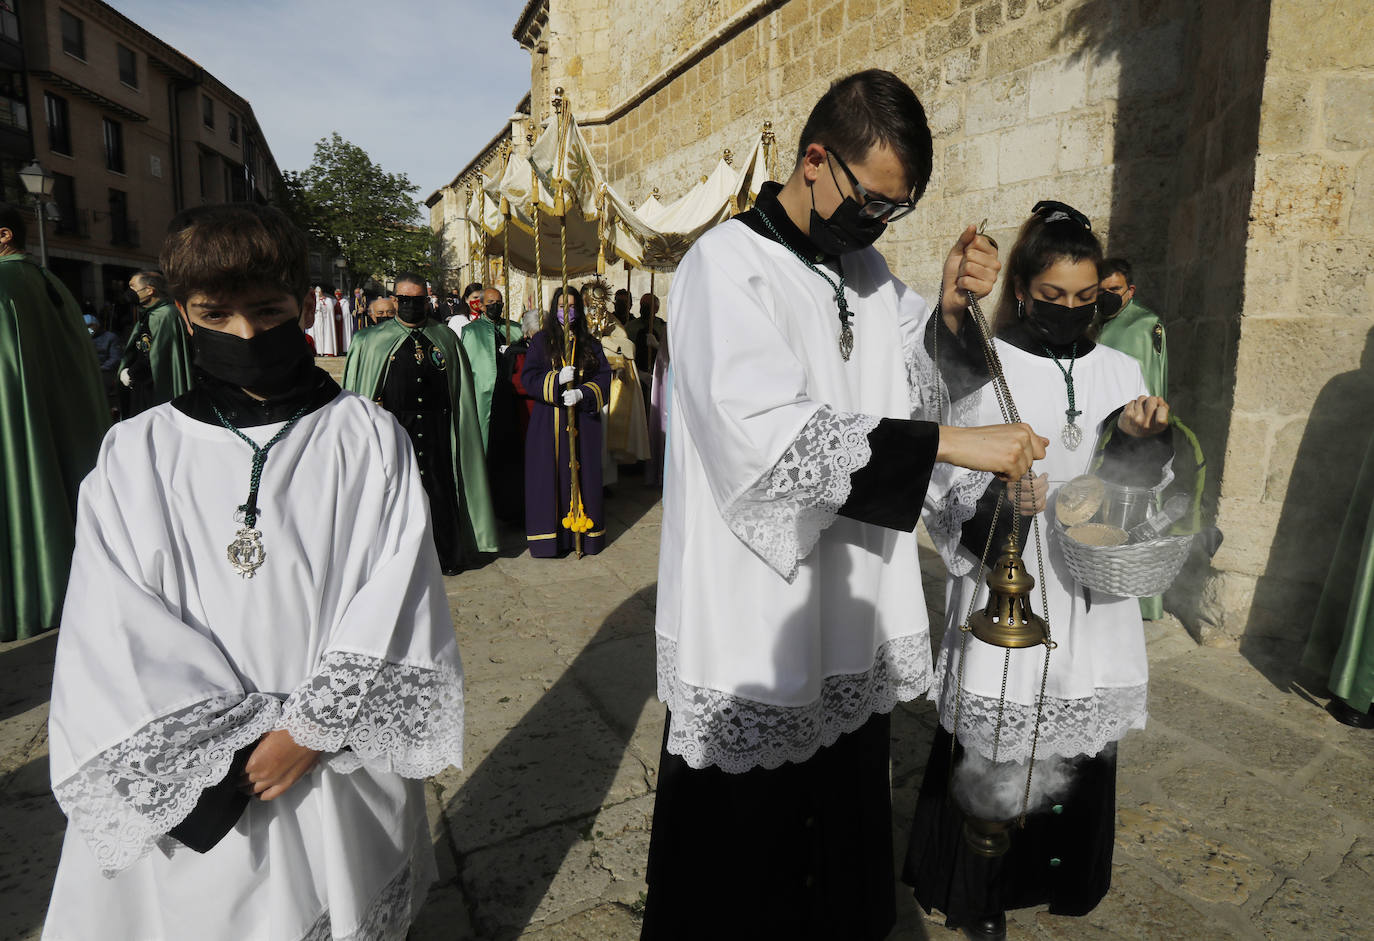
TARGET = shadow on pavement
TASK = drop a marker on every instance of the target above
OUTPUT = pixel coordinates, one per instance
(26, 673)
(31, 830)
(534, 799)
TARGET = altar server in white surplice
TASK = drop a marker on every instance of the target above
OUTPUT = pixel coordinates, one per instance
(790, 619)
(253, 675)
(326, 340)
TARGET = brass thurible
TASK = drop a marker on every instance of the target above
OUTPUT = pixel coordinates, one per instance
(1007, 620)
(987, 838)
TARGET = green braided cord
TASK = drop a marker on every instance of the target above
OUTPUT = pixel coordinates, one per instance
(837, 288)
(249, 509)
(1073, 412)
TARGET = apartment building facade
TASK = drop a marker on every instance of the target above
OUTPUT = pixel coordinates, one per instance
(132, 129)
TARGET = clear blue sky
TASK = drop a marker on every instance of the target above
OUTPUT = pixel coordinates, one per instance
(420, 85)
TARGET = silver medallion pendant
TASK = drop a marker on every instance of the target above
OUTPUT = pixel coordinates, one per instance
(246, 554)
(846, 341)
(1072, 436)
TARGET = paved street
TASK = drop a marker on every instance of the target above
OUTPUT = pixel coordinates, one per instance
(1244, 811)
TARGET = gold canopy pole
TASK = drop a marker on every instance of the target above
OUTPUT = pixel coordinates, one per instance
(770, 143)
(472, 251)
(534, 202)
(576, 520)
(505, 244)
(481, 230)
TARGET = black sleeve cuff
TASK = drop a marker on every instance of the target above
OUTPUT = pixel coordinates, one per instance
(961, 361)
(974, 535)
(891, 488)
(1134, 462)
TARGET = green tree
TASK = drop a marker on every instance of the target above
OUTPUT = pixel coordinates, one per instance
(363, 214)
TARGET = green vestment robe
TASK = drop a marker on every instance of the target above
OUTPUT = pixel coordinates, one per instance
(1137, 332)
(1342, 639)
(168, 348)
(369, 355)
(53, 415)
(480, 342)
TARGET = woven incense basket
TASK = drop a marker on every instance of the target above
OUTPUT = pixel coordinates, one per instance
(1135, 570)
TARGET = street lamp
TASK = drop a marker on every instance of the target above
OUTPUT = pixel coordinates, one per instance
(39, 182)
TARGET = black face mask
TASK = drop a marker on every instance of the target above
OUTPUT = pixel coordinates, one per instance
(268, 364)
(1109, 304)
(1056, 324)
(494, 310)
(845, 231)
(412, 309)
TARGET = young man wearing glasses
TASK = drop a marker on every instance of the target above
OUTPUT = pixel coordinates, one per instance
(790, 613)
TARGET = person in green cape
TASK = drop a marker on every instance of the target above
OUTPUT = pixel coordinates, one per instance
(415, 368)
(156, 367)
(1135, 330)
(53, 415)
(1342, 639)
(484, 337)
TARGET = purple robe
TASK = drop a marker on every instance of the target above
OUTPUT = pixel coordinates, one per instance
(547, 472)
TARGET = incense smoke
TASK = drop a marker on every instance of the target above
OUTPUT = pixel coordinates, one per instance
(995, 790)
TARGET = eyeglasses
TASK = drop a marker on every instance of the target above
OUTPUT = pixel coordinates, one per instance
(873, 207)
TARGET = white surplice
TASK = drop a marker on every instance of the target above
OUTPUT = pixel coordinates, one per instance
(1098, 670)
(326, 343)
(781, 626)
(168, 662)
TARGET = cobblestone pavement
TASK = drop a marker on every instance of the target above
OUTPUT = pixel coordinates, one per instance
(1244, 811)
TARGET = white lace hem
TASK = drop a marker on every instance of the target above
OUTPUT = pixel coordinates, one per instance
(392, 717)
(781, 517)
(125, 800)
(1068, 727)
(387, 918)
(736, 734)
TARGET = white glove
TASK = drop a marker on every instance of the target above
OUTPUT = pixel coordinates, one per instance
(572, 397)
(502, 350)
(125, 379)
(565, 375)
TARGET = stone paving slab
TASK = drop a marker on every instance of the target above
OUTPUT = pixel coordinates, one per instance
(1244, 811)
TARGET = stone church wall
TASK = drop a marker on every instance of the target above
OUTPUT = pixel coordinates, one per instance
(1226, 147)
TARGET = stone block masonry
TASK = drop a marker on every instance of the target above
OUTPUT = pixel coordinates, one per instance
(1227, 148)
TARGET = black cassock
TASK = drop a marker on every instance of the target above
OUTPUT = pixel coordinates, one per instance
(416, 391)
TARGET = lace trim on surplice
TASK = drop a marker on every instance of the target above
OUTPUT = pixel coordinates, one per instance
(1068, 727)
(393, 717)
(783, 515)
(387, 918)
(125, 799)
(735, 734)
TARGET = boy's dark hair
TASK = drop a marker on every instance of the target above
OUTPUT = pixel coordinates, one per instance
(474, 286)
(232, 247)
(410, 277)
(869, 108)
(1110, 266)
(1040, 243)
(12, 218)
